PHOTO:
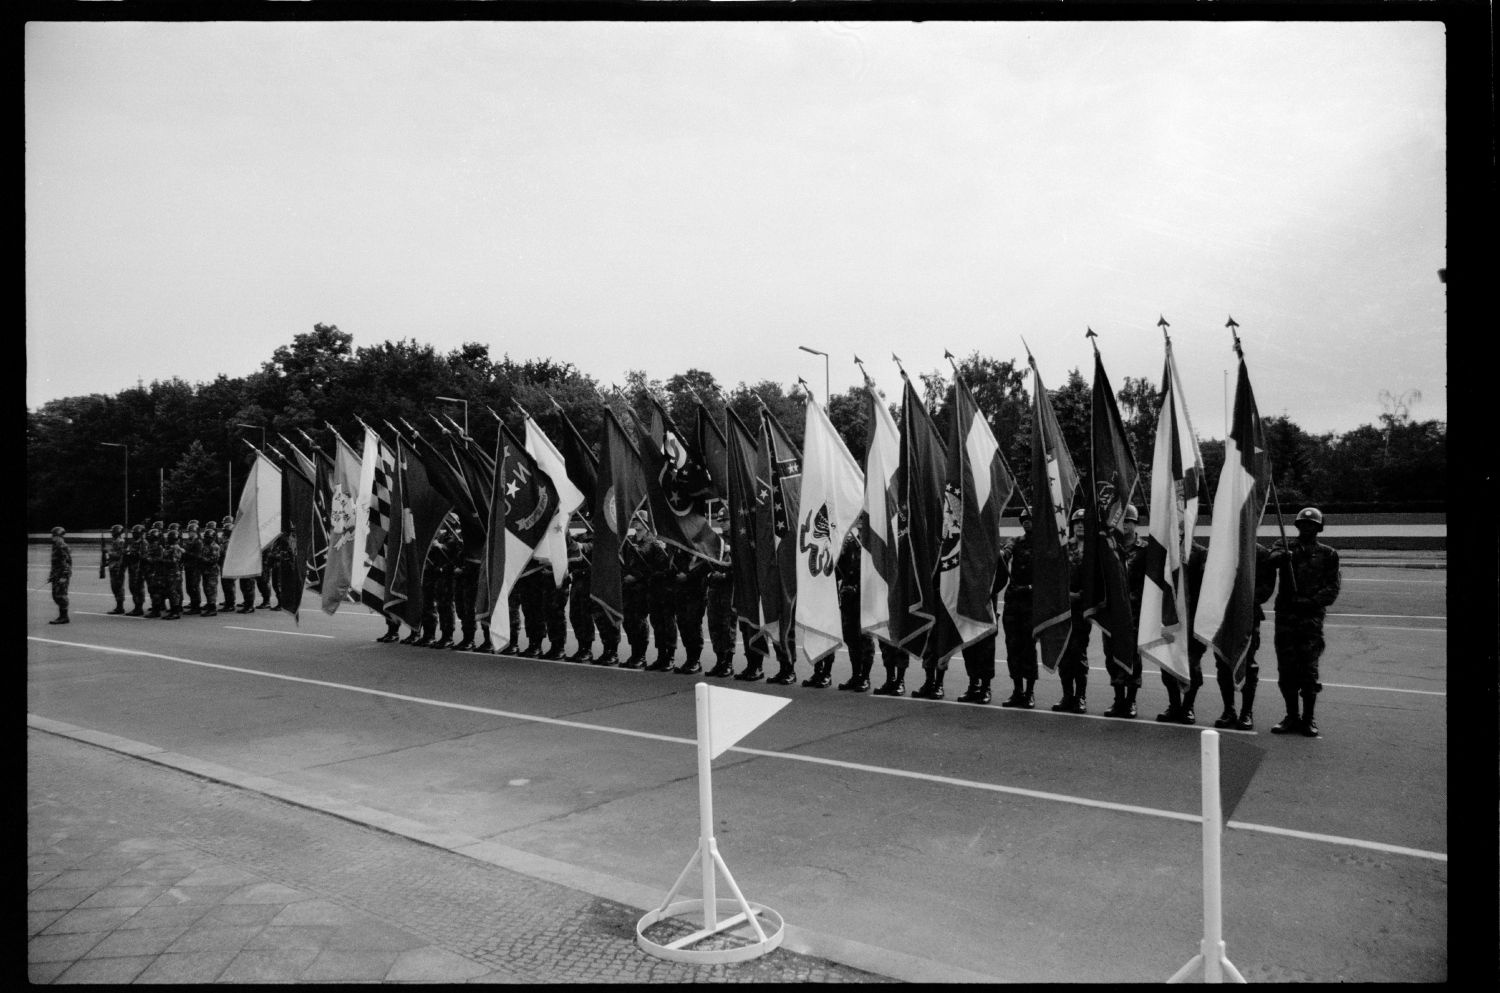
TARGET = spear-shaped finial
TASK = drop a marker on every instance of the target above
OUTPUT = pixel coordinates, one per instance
(1233, 327)
(524, 412)
(803, 383)
(414, 432)
(456, 429)
(1030, 359)
(492, 413)
(896, 359)
(441, 427)
(1162, 323)
(952, 362)
(1091, 334)
(555, 405)
(252, 447)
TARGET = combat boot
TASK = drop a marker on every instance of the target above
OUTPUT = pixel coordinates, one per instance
(1017, 696)
(786, 674)
(1247, 720)
(978, 692)
(208, 612)
(1065, 705)
(62, 617)
(932, 686)
(1228, 719)
(1309, 726)
(411, 638)
(532, 651)
(467, 645)
(662, 663)
(137, 612)
(637, 660)
(585, 653)
(751, 673)
(444, 642)
(1186, 715)
(609, 659)
(510, 648)
(119, 608)
(690, 667)
(388, 637)
(859, 680)
(1174, 703)
(190, 609)
(554, 653)
(895, 682)
(820, 678)
(723, 669)
(1080, 695)
(1119, 708)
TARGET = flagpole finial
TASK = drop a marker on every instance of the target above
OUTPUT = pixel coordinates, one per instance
(493, 414)
(524, 412)
(1233, 327)
(555, 404)
(1091, 334)
(1031, 360)
(1162, 322)
(897, 360)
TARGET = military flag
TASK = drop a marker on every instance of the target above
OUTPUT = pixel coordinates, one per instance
(257, 520)
(777, 544)
(530, 507)
(554, 544)
(619, 493)
(1176, 475)
(677, 489)
(475, 474)
(1054, 481)
(581, 462)
(1112, 480)
(881, 521)
(298, 512)
(919, 487)
(423, 509)
(977, 488)
(830, 500)
(740, 473)
(322, 501)
(342, 514)
(1225, 617)
(714, 450)
(372, 523)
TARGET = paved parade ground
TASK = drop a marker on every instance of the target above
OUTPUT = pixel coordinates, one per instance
(300, 789)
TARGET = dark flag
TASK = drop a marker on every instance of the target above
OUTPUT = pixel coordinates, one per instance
(784, 464)
(618, 494)
(975, 494)
(582, 463)
(423, 509)
(915, 604)
(1053, 483)
(1112, 481)
(478, 483)
(677, 489)
(323, 502)
(743, 506)
(298, 513)
(530, 506)
(715, 452)
(877, 570)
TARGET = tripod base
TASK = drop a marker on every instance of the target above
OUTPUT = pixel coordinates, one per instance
(681, 950)
(1215, 967)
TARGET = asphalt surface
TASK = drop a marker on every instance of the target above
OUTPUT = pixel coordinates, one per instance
(903, 839)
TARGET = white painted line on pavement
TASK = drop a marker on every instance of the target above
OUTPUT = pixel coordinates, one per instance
(295, 634)
(1382, 627)
(1384, 689)
(1421, 582)
(790, 756)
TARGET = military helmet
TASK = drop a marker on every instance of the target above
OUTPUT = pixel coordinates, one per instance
(1079, 515)
(173, 534)
(174, 526)
(228, 520)
(192, 525)
(154, 534)
(1131, 514)
(58, 532)
(158, 525)
(1312, 515)
(116, 528)
(138, 529)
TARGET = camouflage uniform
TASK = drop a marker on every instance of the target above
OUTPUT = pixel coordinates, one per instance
(113, 560)
(1073, 666)
(274, 570)
(135, 579)
(192, 566)
(635, 602)
(156, 578)
(466, 585)
(60, 575)
(585, 615)
(979, 656)
(208, 571)
(1015, 619)
(554, 601)
(171, 566)
(690, 587)
(661, 585)
(437, 594)
(1307, 585)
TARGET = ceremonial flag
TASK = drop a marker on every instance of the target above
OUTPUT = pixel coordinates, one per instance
(741, 485)
(919, 485)
(619, 493)
(1176, 475)
(677, 489)
(582, 464)
(877, 567)
(298, 511)
(343, 514)
(530, 506)
(784, 464)
(476, 477)
(257, 521)
(975, 494)
(1112, 482)
(1225, 618)
(423, 511)
(322, 498)
(714, 450)
(492, 561)
(1053, 482)
(554, 543)
(830, 500)
(372, 523)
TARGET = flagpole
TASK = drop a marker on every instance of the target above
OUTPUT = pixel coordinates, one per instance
(707, 852)
(1211, 954)
(1281, 526)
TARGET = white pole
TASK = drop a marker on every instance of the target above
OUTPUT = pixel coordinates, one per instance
(706, 808)
(1213, 923)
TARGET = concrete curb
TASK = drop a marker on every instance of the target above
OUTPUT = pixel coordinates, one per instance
(802, 940)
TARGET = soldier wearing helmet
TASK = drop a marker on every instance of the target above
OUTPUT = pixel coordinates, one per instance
(1131, 551)
(208, 571)
(135, 577)
(1073, 666)
(1307, 584)
(1015, 618)
(226, 531)
(60, 575)
(151, 557)
(112, 560)
(192, 566)
(171, 559)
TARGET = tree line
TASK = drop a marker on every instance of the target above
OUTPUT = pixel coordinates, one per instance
(187, 452)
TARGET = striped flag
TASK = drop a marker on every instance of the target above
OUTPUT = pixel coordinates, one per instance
(1053, 482)
(877, 567)
(1225, 618)
(373, 524)
(530, 507)
(832, 491)
(1176, 475)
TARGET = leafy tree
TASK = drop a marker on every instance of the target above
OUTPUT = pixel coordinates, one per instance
(196, 487)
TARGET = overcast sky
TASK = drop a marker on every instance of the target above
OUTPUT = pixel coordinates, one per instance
(669, 196)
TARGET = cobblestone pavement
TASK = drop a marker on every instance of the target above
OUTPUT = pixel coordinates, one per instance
(137, 873)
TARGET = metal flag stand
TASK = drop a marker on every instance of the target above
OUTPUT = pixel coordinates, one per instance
(707, 858)
(1211, 955)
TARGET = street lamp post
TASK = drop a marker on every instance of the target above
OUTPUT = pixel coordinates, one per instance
(126, 449)
(466, 410)
(261, 428)
(827, 395)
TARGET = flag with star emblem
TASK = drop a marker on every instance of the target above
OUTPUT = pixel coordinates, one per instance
(743, 487)
(781, 463)
(531, 506)
(1053, 483)
(975, 493)
(829, 504)
(919, 486)
(1176, 475)
(877, 567)
(554, 544)
(1112, 480)
(1225, 617)
(423, 509)
(618, 494)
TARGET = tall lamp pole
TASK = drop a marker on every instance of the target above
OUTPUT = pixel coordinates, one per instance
(260, 427)
(466, 410)
(126, 449)
(827, 396)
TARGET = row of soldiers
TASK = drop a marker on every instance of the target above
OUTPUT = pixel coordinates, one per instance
(668, 594)
(165, 565)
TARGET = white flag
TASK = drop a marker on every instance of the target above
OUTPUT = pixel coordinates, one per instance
(257, 521)
(877, 565)
(554, 545)
(732, 714)
(832, 496)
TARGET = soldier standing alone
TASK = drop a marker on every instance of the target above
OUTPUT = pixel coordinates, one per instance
(60, 575)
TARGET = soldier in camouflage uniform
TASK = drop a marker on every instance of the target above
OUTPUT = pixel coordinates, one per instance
(113, 560)
(1131, 549)
(661, 588)
(171, 566)
(226, 531)
(208, 569)
(718, 587)
(1015, 619)
(192, 566)
(273, 570)
(1307, 585)
(1073, 666)
(437, 591)
(861, 646)
(135, 577)
(690, 588)
(60, 575)
(156, 580)
(634, 597)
